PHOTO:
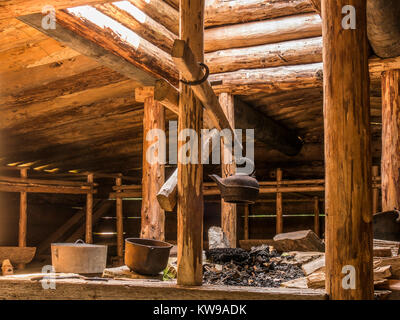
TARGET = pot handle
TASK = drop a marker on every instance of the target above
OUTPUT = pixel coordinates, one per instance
(79, 241)
(245, 161)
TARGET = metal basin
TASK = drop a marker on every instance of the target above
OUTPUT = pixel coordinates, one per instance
(146, 256)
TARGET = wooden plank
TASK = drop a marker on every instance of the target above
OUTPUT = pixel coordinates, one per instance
(190, 176)
(348, 194)
(390, 140)
(15, 8)
(45, 182)
(228, 168)
(304, 240)
(89, 213)
(45, 189)
(279, 203)
(23, 217)
(153, 216)
(119, 224)
(145, 290)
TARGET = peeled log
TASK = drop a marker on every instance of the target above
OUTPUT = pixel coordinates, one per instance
(269, 80)
(293, 52)
(263, 32)
(384, 27)
(223, 12)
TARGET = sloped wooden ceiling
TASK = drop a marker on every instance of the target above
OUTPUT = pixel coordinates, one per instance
(68, 104)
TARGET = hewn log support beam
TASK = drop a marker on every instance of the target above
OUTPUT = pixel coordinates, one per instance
(263, 32)
(190, 175)
(190, 70)
(391, 140)
(14, 8)
(153, 216)
(228, 210)
(348, 190)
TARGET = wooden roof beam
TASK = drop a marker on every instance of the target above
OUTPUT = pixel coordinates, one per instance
(16, 8)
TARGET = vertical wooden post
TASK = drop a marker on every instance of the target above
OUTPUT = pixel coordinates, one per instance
(23, 216)
(316, 216)
(375, 191)
(391, 140)
(348, 188)
(89, 212)
(153, 217)
(279, 204)
(120, 224)
(246, 222)
(190, 176)
(228, 210)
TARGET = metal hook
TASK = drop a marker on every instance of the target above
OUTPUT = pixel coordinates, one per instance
(198, 82)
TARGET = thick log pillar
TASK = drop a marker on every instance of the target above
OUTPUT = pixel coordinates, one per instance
(190, 175)
(153, 217)
(120, 224)
(23, 216)
(391, 140)
(228, 210)
(279, 203)
(89, 212)
(348, 188)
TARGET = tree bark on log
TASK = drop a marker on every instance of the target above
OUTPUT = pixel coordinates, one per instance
(190, 176)
(390, 140)
(228, 210)
(153, 216)
(348, 188)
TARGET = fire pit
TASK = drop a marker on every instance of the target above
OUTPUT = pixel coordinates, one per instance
(260, 267)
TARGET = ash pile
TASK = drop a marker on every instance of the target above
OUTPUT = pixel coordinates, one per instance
(260, 267)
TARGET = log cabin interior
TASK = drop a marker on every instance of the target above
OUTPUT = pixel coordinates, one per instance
(83, 82)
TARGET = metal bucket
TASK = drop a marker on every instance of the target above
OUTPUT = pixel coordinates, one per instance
(146, 256)
(78, 257)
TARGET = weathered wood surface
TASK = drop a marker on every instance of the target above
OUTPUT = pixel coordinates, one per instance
(89, 48)
(348, 193)
(119, 213)
(305, 240)
(263, 32)
(384, 27)
(228, 210)
(292, 52)
(316, 217)
(269, 80)
(17, 255)
(390, 163)
(279, 203)
(375, 191)
(153, 174)
(190, 175)
(15, 8)
(145, 290)
(89, 213)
